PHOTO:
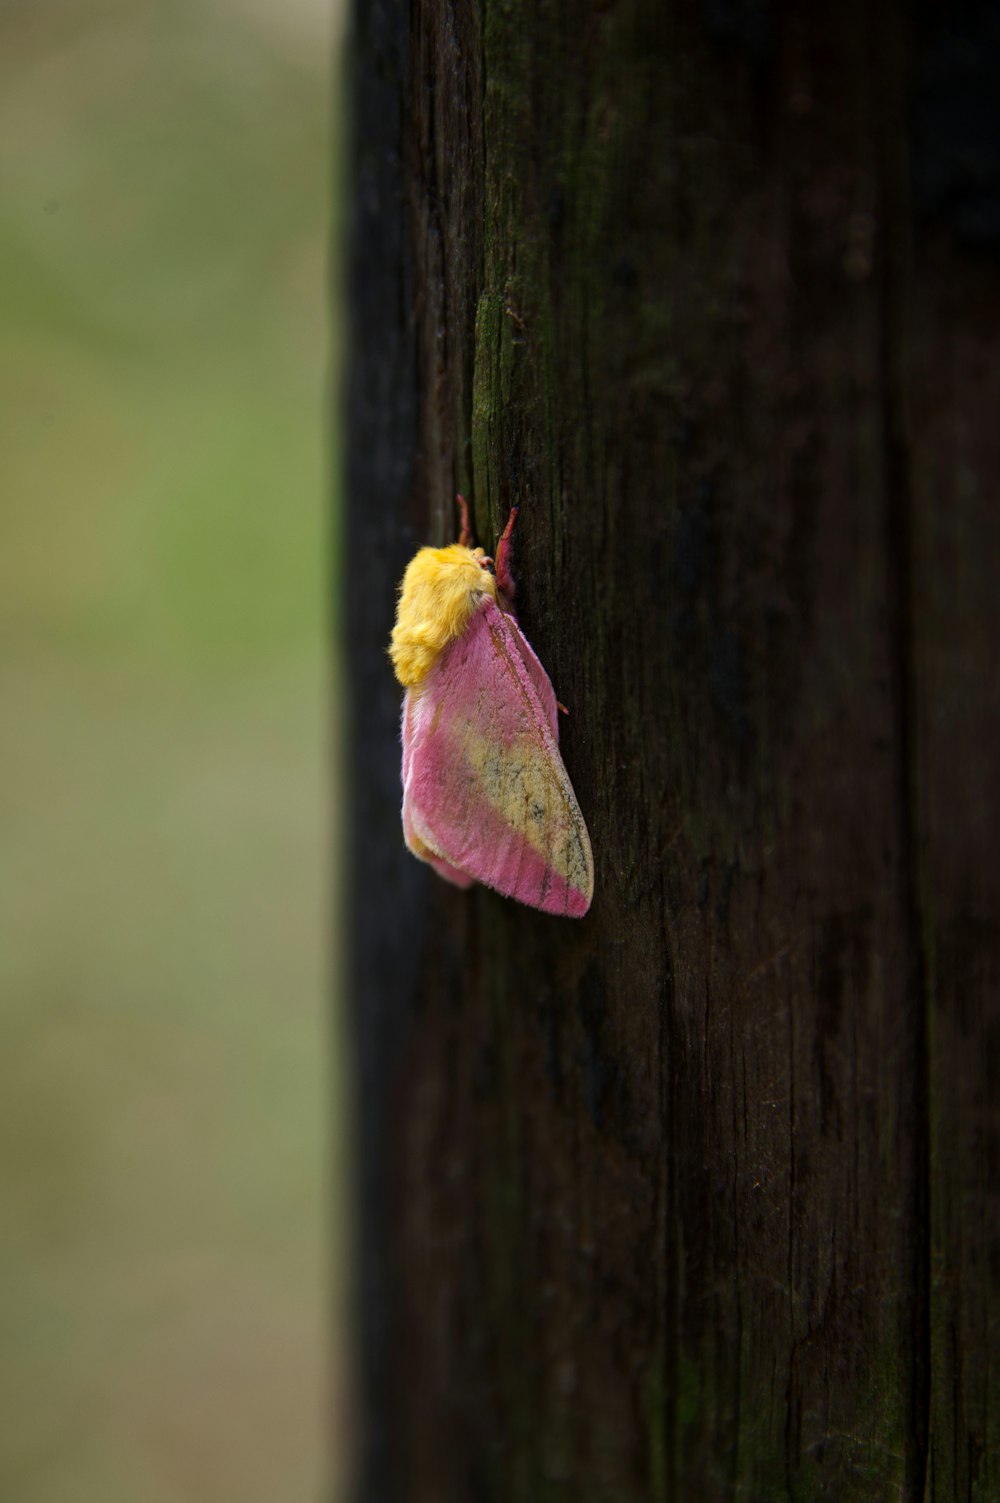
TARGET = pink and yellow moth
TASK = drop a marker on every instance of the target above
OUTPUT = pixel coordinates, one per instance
(486, 797)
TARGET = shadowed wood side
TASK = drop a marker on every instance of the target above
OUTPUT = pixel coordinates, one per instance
(956, 396)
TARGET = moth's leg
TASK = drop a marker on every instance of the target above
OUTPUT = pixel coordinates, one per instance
(505, 579)
(465, 537)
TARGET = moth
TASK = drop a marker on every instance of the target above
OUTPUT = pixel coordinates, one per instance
(486, 797)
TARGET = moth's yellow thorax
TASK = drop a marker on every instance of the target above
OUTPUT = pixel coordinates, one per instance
(441, 588)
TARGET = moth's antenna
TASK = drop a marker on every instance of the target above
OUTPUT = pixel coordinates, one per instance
(505, 579)
(465, 537)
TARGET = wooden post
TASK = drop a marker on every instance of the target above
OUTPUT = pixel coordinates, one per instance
(696, 1198)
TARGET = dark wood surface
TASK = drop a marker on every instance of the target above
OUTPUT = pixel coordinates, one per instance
(697, 1198)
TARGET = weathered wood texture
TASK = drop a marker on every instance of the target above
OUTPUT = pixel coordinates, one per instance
(696, 1198)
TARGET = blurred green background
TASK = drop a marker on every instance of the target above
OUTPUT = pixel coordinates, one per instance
(168, 1092)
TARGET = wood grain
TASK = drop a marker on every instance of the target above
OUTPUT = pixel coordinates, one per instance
(696, 1198)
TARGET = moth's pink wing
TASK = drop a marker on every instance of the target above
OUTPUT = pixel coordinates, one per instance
(539, 678)
(485, 792)
(411, 834)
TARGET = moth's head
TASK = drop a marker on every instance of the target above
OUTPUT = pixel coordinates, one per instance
(441, 589)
